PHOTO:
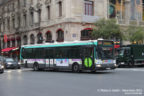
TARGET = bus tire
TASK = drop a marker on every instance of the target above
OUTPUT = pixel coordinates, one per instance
(75, 68)
(35, 67)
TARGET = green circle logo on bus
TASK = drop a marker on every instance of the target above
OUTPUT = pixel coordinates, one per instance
(88, 62)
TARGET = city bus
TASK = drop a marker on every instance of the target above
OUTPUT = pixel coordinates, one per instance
(76, 56)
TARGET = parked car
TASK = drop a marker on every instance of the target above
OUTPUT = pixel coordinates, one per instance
(11, 63)
(1, 68)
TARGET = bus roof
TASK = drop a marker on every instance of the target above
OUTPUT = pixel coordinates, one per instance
(62, 44)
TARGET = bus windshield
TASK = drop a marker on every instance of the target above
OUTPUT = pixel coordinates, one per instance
(105, 52)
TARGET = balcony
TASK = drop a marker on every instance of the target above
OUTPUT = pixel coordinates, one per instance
(130, 22)
(89, 19)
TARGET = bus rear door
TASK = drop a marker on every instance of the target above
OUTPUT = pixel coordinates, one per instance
(49, 54)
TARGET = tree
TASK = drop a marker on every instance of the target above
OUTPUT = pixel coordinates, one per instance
(135, 34)
(107, 29)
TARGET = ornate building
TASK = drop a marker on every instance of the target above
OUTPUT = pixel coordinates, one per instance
(25, 22)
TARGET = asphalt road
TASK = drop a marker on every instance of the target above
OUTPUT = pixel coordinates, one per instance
(119, 82)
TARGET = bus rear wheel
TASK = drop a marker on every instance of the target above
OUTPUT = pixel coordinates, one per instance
(75, 68)
(35, 67)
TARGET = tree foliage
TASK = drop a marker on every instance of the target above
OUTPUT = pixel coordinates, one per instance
(135, 34)
(107, 29)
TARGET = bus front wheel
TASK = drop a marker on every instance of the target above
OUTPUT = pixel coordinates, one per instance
(75, 68)
(35, 67)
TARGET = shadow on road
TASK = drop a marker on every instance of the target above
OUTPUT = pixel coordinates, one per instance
(83, 72)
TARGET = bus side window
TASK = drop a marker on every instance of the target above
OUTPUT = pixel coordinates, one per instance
(74, 52)
(49, 53)
(58, 53)
(39, 53)
(28, 53)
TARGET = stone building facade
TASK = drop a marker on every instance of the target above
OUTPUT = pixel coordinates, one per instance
(25, 22)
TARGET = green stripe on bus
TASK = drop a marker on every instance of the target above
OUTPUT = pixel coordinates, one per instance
(61, 45)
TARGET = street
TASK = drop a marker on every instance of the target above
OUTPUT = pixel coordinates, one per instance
(26, 82)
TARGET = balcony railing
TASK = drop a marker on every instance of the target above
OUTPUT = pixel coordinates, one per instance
(130, 22)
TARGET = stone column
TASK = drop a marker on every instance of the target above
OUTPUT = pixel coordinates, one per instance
(127, 11)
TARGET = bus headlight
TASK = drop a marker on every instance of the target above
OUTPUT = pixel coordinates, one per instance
(115, 65)
(2, 67)
(98, 65)
(19, 63)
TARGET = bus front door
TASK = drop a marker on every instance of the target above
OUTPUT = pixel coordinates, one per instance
(87, 59)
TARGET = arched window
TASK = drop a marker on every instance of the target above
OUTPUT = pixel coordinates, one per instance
(39, 38)
(8, 42)
(25, 40)
(18, 41)
(13, 41)
(48, 36)
(86, 34)
(32, 39)
(0, 45)
(60, 35)
(3, 44)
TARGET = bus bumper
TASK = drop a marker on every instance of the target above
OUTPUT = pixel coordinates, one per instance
(105, 66)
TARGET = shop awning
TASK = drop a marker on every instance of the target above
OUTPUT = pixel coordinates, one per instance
(8, 49)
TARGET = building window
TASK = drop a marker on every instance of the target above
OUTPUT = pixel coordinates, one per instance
(0, 27)
(48, 36)
(39, 18)
(60, 35)
(8, 24)
(13, 41)
(60, 8)
(32, 39)
(32, 18)
(86, 34)
(18, 41)
(8, 44)
(19, 21)
(25, 3)
(143, 8)
(3, 44)
(89, 8)
(18, 3)
(112, 9)
(31, 1)
(48, 10)
(25, 20)
(3, 25)
(39, 38)
(13, 22)
(25, 40)
(13, 6)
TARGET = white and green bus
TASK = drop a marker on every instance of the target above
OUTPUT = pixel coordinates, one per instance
(76, 56)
